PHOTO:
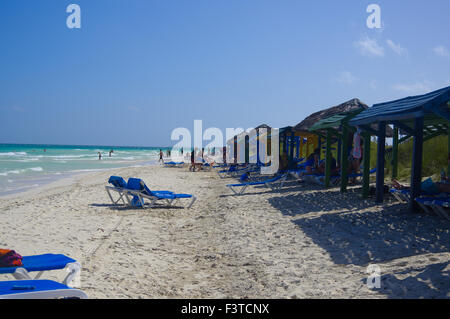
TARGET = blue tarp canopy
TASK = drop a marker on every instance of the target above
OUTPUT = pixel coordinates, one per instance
(410, 107)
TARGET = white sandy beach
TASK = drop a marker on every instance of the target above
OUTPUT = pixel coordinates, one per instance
(300, 242)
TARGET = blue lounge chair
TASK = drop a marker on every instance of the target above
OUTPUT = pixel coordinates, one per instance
(42, 263)
(402, 195)
(438, 205)
(274, 183)
(137, 188)
(334, 179)
(206, 166)
(37, 289)
(119, 185)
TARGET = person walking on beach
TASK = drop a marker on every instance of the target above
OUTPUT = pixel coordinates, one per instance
(192, 167)
(161, 156)
(224, 154)
(99, 156)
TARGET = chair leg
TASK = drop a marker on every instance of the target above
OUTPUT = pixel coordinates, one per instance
(243, 189)
(441, 211)
(192, 201)
(21, 274)
(109, 194)
(74, 270)
(232, 189)
(425, 208)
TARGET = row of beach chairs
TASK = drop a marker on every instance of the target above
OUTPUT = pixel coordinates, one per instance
(438, 205)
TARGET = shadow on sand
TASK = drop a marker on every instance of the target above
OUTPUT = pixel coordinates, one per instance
(376, 236)
(355, 232)
(430, 281)
(312, 199)
(126, 208)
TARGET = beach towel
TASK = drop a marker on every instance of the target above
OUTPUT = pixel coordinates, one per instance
(429, 187)
(9, 258)
(357, 145)
(244, 177)
(135, 202)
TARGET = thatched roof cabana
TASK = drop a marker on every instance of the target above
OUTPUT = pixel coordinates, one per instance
(349, 106)
(262, 126)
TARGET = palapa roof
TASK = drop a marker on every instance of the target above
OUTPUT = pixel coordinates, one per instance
(335, 116)
(334, 121)
(349, 106)
(262, 126)
(243, 133)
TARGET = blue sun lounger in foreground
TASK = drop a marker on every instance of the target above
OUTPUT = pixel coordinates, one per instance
(37, 289)
(137, 188)
(274, 183)
(42, 263)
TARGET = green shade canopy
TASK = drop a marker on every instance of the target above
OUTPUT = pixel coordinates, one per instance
(434, 103)
(334, 121)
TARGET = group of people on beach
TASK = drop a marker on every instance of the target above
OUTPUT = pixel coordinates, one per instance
(100, 154)
(313, 164)
(200, 160)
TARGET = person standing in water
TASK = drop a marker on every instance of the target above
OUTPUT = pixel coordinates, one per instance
(99, 156)
(111, 151)
(161, 156)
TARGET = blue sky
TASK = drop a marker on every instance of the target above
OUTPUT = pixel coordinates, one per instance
(138, 69)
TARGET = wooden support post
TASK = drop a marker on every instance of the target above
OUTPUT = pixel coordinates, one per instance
(247, 149)
(235, 149)
(320, 147)
(291, 147)
(339, 151)
(380, 161)
(395, 153)
(344, 159)
(448, 148)
(257, 146)
(328, 159)
(416, 169)
(366, 164)
(301, 147)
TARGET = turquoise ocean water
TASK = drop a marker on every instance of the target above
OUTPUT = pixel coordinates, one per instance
(28, 166)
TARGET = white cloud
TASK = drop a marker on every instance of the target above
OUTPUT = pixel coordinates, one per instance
(369, 47)
(346, 78)
(397, 48)
(441, 51)
(420, 87)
